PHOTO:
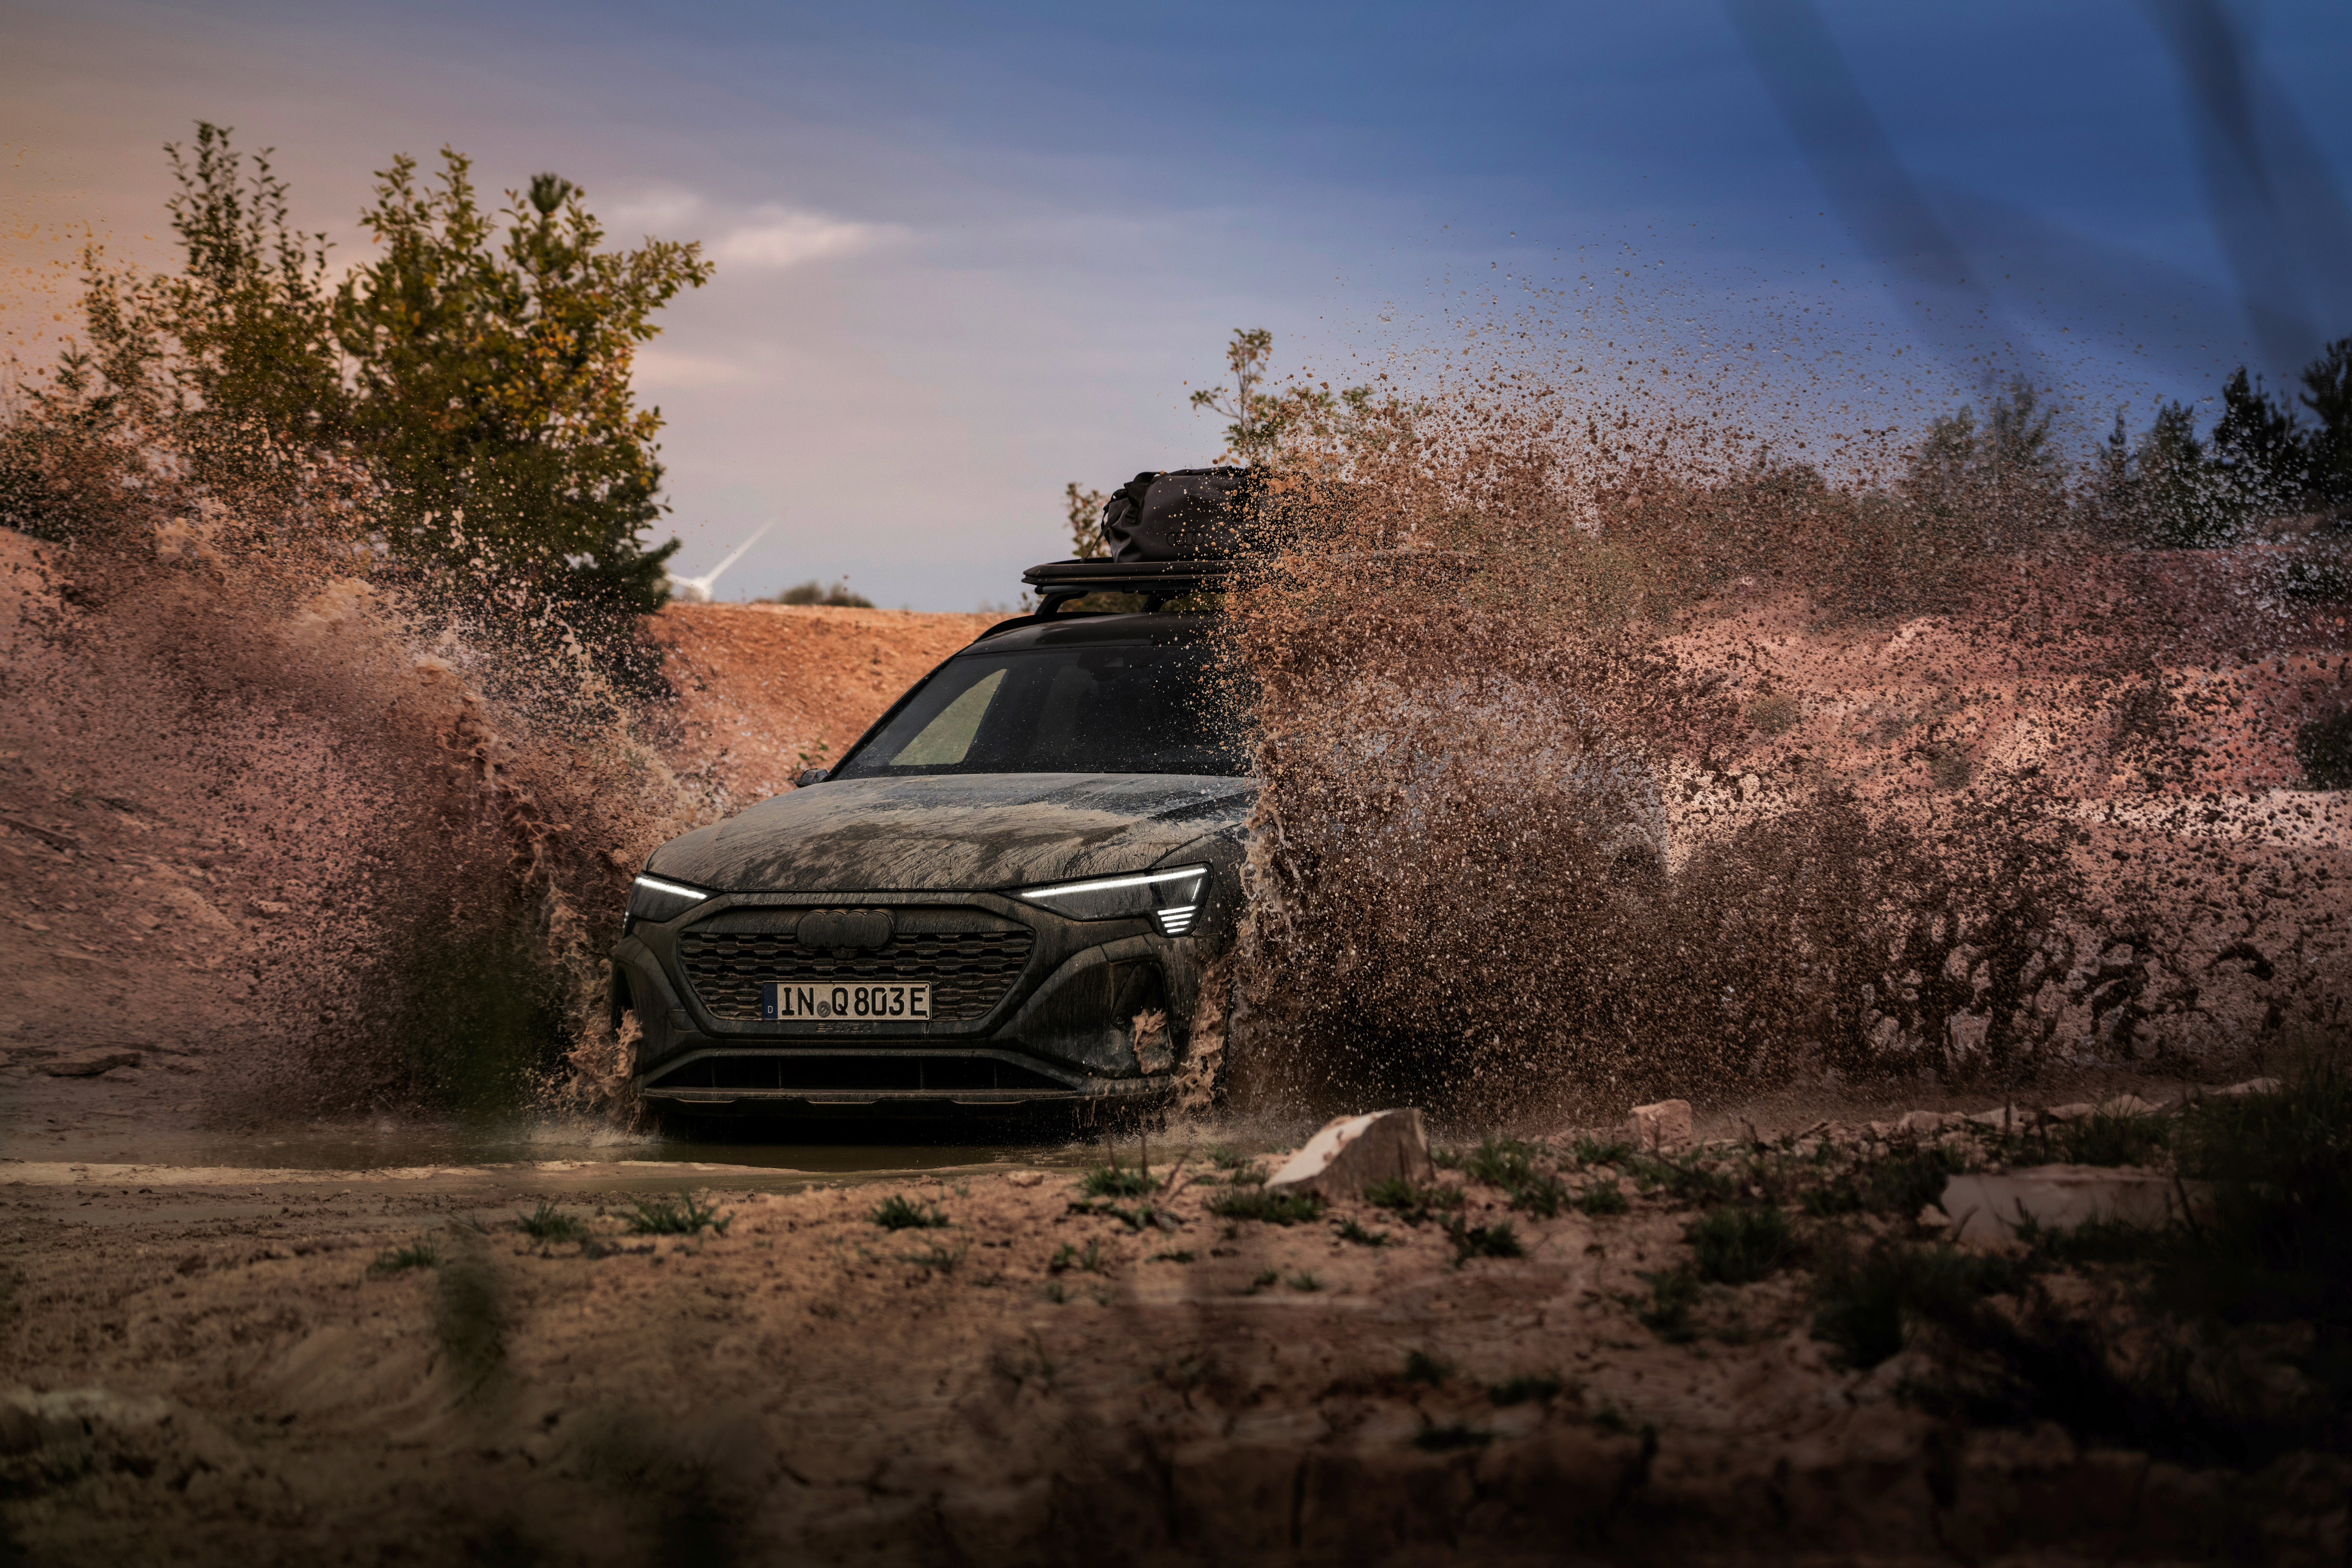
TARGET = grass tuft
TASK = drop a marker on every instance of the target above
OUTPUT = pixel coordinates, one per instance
(1496, 1240)
(899, 1212)
(684, 1215)
(549, 1226)
(1115, 1180)
(1273, 1208)
(423, 1255)
(1736, 1246)
(1349, 1230)
(1420, 1366)
(2104, 1140)
(1411, 1203)
(1603, 1198)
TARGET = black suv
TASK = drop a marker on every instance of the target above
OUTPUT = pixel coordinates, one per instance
(1006, 893)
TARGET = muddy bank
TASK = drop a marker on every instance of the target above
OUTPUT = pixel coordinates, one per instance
(392, 1367)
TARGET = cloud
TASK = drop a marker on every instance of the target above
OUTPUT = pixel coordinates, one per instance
(655, 212)
(659, 368)
(777, 238)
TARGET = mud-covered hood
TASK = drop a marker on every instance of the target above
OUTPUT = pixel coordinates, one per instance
(981, 831)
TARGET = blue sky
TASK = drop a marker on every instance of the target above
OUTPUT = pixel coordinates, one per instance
(969, 253)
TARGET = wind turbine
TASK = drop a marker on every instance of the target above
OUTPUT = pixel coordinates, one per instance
(697, 589)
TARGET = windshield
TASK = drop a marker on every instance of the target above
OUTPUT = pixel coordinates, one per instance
(1127, 708)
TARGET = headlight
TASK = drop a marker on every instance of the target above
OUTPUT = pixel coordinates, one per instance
(1170, 897)
(656, 898)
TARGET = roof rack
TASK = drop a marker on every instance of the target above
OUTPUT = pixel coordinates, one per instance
(1058, 582)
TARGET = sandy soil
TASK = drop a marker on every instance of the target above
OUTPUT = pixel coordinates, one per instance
(765, 690)
(230, 1372)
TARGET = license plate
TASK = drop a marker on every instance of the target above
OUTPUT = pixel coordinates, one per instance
(783, 1001)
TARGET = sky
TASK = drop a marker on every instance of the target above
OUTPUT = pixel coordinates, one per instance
(967, 254)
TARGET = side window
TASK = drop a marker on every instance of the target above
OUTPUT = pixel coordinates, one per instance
(943, 742)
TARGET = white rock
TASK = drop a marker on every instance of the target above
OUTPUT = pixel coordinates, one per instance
(2250, 1086)
(1353, 1152)
(1989, 1207)
(1662, 1126)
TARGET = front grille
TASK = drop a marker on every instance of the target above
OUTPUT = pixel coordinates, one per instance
(969, 958)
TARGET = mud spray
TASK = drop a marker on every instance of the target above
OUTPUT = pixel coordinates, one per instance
(280, 821)
(1610, 755)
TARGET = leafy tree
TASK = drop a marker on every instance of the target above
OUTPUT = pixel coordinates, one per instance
(2001, 480)
(1264, 426)
(2257, 449)
(1082, 510)
(492, 382)
(223, 375)
(2327, 393)
(2174, 500)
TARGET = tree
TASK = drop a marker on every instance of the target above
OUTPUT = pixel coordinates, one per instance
(1082, 510)
(2258, 450)
(223, 375)
(1264, 426)
(491, 383)
(2327, 393)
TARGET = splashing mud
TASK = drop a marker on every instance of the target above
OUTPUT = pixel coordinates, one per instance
(277, 824)
(1606, 757)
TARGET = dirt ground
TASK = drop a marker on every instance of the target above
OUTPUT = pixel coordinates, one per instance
(233, 1366)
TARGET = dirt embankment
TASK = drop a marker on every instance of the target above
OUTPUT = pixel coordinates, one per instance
(766, 690)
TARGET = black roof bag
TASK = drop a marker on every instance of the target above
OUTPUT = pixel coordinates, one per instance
(1182, 514)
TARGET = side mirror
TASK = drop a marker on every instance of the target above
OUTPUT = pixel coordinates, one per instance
(810, 776)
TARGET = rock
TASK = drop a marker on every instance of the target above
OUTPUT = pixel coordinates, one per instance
(1662, 1126)
(2074, 1112)
(1964, 1034)
(2250, 1086)
(1024, 1178)
(2128, 1105)
(1353, 1152)
(1923, 1121)
(89, 1064)
(1989, 1207)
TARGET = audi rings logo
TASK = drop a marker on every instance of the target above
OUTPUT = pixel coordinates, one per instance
(839, 928)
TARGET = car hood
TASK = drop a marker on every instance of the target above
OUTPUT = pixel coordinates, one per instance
(964, 831)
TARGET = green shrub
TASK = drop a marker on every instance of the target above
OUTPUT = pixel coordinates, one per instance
(1273, 1208)
(1352, 1231)
(1603, 1198)
(549, 1226)
(1115, 1180)
(1862, 1303)
(1410, 1202)
(1496, 1240)
(684, 1215)
(1673, 1293)
(1594, 1152)
(899, 1212)
(2104, 1140)
(1735, 1246)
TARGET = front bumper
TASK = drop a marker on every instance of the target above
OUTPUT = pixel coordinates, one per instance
(1061, 1031)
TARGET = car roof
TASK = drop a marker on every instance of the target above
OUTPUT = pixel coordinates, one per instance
(1157, 629)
